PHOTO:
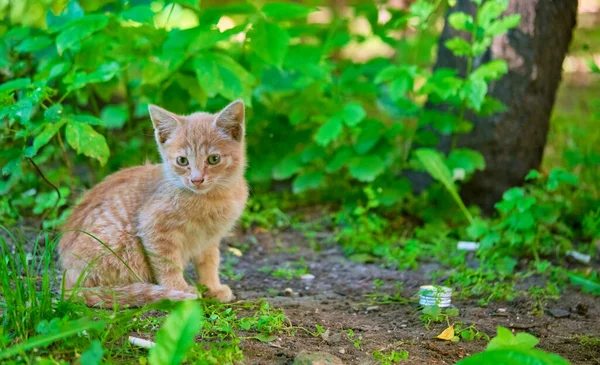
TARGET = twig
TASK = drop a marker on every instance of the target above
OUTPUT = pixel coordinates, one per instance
(39, 171)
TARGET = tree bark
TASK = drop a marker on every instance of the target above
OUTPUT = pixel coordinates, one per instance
(513, 141)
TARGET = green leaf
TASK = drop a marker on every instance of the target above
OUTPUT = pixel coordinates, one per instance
(340, 159)
(286, 10)
(12, 166)
(236, 80)
(329, 131)
(392, 194)
(104, 72)
(521, 357)
(33, 44)
(79, 30)
(559, 176)
(16, 84)
(466, 159)
(84, 139)
(461, 21)
(477, 229)
(307, 181)
(366, 168)
(458, 46)
(490, 10)
(503, 25)
(207, 72)
(353, 113)
(435, 166)
(93, 355)
(53, 114)
(532, 175)
(87, 119)
(176, 336)
(588, 285)
(475, 90)
(491, 106)
(265, 338)
(114, 116)
(43, 138)
(140, 14)
(490, 71)
(506, 340)
(67, 330)
(270, 42)
(287, 167)
(371, 133)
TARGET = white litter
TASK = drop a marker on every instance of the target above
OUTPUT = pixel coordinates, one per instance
(581, 257)
(140, 342)
(467, 246)
(307, 277)
(435, 295)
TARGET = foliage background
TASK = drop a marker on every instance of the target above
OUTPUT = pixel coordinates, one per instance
(336, 116)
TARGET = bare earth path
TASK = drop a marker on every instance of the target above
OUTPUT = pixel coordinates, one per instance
(335, 300)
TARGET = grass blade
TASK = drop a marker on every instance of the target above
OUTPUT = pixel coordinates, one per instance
(436, 167)
(69, 330)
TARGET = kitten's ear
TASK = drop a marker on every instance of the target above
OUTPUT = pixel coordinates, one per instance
(164, 122)
(231, 120)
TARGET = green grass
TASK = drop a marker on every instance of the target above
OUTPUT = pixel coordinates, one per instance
(36, 315)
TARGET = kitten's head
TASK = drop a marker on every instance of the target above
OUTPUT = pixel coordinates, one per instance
(201, 151)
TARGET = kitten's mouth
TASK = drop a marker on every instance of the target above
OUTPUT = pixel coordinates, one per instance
(198, 190)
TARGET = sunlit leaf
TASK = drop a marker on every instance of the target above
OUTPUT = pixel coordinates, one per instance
(176, 335)
(366, 168)
(85, 140)
(447, 334)
(286, 10)
(79, 30)
(307, 181)
(270, 42)
(329, 131)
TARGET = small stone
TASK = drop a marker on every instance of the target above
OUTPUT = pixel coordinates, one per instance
(403, 325)
(307, 277)
(317, 358)
(501, 310)
(342, 351)
(559, 313)
(288, 292)
(373, 308)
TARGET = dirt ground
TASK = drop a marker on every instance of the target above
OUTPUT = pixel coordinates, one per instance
(335, 300)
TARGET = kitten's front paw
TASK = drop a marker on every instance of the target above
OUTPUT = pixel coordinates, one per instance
(222, 294)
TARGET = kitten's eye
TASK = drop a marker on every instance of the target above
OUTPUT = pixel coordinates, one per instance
(182, 161)
(214, 159)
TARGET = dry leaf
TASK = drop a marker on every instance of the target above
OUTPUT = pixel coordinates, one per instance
(235, 251)
(446, 334)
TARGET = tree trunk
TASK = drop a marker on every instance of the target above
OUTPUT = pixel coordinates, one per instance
(512, 142)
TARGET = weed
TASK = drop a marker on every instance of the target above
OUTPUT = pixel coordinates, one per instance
(356, 340)
(289, 271)
(380, 297)
(391, 357)
(435, 314)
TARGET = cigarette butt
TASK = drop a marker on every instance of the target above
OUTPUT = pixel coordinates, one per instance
(140, 342)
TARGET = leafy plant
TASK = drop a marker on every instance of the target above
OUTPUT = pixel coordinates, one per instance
(177, 334)
(390, 358)
(508, 348)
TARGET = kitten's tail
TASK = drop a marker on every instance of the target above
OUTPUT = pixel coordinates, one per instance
(133, 295)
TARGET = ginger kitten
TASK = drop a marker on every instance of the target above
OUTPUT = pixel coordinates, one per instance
(158, 218)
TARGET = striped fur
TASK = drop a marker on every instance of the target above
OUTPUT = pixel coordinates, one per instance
(132, 235)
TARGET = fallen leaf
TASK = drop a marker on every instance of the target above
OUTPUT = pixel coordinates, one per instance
(235, 251)
(446, 334)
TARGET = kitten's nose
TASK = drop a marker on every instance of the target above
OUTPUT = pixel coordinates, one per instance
(197, 180)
